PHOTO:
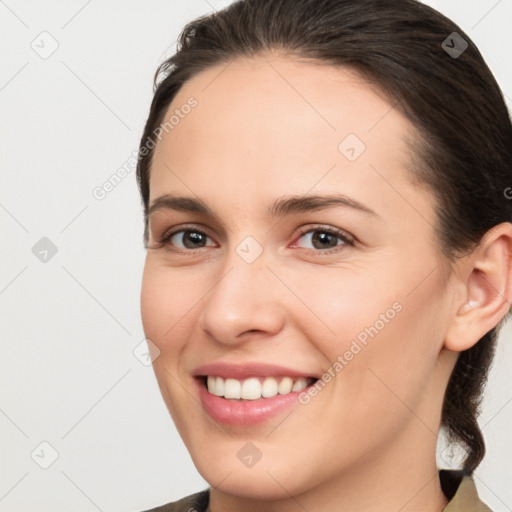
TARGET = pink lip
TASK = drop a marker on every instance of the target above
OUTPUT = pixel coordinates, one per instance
(246, 370)
(244, 413)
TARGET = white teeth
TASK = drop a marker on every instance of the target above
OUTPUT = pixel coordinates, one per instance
(231, 388)
(300, 384)
(212, 384)
(269, 387)
(285, 386)
(251, 389)
(255, 387)
(216, 385)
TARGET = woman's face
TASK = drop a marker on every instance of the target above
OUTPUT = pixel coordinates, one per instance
(268, 282)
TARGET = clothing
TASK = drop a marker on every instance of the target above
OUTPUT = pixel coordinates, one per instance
(458, 487)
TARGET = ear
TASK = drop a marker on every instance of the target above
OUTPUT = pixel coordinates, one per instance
(486, 280)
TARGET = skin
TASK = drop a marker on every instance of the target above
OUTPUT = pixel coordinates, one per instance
(267, 127)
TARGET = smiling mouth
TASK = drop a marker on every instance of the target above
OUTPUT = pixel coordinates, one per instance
(254, 388)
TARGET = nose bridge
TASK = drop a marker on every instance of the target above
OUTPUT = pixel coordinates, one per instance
(243, 297)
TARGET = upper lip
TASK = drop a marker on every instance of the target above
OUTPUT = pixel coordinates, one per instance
(245, 370)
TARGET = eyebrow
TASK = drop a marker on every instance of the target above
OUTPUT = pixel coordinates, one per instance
(286, 205)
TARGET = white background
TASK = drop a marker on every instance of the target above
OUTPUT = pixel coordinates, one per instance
(69, 326)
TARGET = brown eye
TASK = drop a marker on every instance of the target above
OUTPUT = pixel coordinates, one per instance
(190, 239)
(325, 240)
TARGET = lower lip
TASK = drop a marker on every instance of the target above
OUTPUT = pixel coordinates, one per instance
(244, 413)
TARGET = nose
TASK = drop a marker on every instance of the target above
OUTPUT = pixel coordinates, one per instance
(245, 302)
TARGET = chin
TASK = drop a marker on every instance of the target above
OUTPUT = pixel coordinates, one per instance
(270, 478)
(252, 484)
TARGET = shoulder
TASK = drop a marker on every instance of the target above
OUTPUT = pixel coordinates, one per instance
(197, 502)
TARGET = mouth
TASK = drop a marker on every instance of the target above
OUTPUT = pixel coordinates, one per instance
(252, 400)
(254, 388)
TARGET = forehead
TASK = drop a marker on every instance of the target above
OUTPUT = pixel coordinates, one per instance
(273, 123)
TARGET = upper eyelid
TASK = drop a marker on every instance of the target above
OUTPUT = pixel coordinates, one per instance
(325, 227)
(178, 229)
(302, 230)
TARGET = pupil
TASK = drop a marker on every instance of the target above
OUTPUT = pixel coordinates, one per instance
(195, 237)
(324, 237)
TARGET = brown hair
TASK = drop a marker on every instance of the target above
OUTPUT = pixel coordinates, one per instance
(465, 151)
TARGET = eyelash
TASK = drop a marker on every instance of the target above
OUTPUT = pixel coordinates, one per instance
(347, 240)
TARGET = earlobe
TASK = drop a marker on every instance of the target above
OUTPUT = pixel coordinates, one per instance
(487, 282)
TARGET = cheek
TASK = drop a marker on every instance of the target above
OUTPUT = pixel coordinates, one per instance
(395, 367)
(342, 305)
(155, 301)
(368, 324)
(166, 301)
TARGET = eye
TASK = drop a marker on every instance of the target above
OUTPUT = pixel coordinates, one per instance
(189, 238)
(325, 239)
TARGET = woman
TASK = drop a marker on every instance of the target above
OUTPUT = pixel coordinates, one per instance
(328, 242)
